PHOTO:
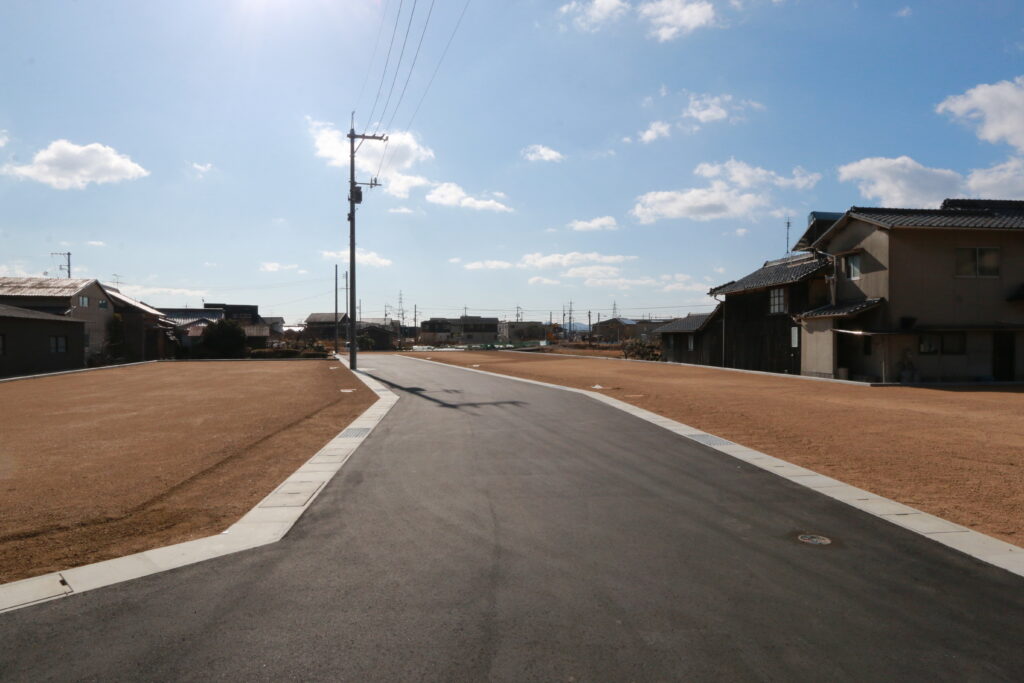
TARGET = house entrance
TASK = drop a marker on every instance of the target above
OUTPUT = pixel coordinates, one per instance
(1002, 356)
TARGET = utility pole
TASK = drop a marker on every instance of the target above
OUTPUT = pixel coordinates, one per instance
(787, 235)
(590, 329)
(571, 330)
(335, 308)
(401, 318)
(355, 196)
(416, 322)
(117, 280)
(67, 255)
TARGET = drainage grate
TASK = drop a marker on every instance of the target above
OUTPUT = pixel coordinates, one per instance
(354, 433)
(709, 440)
(814, 539)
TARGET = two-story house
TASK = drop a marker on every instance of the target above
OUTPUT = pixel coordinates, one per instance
(920, 294)
(758, 329)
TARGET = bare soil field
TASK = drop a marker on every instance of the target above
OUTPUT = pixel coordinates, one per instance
(598, 352)
(956, 453)
(101, 464)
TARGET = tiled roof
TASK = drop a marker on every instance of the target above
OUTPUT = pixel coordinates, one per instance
(782, 271)
(847, 310)
(118, 297)
(693, 322)
(981, 219)
(324, 318)
(27, 314)
(42, 286)
(187, 316)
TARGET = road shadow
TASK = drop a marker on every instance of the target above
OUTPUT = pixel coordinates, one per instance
(420, 392)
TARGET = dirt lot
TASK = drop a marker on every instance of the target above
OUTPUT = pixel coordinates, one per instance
(958, 454)
(96, 465)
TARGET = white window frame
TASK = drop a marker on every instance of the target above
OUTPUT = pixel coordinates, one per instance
(83, 301)
(853, 271)
(777, 300)
(794, 337)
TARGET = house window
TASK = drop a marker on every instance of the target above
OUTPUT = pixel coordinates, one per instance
(954, 343)
(977, 262)
(777, 300)
(689, 342)
(853, 266)
(794, 337)
(102, 303)
(83, 301)
(58, 344)
(929, 344)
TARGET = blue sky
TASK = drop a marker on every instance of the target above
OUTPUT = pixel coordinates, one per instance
(589, 151)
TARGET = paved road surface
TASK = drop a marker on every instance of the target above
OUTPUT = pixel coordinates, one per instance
(493, 530)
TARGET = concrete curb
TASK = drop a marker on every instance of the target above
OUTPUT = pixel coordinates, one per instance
(71, 372)
(967, 541)
(266, 523)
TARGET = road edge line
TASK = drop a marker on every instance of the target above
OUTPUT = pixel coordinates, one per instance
(267, 522)
(962, 539)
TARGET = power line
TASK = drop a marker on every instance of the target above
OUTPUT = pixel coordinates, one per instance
(384, 73)
(376, 44)
(398, 66)
(439, 62)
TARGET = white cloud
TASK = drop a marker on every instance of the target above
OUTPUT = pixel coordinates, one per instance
(16, 269)
(272, 267)
(663, 91)
(719, 200)
(4, 138)
(671, 18)
(901, 182)
(209, 264)
(1003, 181)
(994, 109)
(302, 271)
(620, 282)
(539, 260)
(657, 129)
(363, 257)
(593, 272)
(602, 223)
(487, 265)
(450, 194)
(593, 15)
(744, 175)
(740, 232)
(96, 243)
(541, 153)
(719, 270)
(201, 169)
(400, 209)
(706, 108)
(455, 259)
(627, 140)
(681, 282)
(64, 165)
(402, 149)
(905, 12)
(538, 280)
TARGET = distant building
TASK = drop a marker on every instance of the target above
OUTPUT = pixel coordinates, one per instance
(696, 339)
(520, 331)
(466, 329)
(321, 326)
(33, 342)
(243, 314)
(148, 333)
(624, 329)
(80, 299)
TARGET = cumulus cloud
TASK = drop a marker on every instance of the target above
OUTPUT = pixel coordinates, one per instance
(593, 272)
(657, 129)
(403, 152)
(620, 282)
(4, 138)
(541, 153)
(400, 209)
(16, 269)
(904, 12)
(64, 165)
(201, 169)
(602, 223)
(272, 267)
(1002, 181)
(96, 243)
(539, 260)
(719, 200)
(681, 282)
(590, 16)
(740, 232)
(363, 257)
(670, 19)
(538, 280)
(143, 291)
(744, 175)
(455, 259)
(901, 182)
(450, 194)
(488, 265)
(706, 108)
(993, 109)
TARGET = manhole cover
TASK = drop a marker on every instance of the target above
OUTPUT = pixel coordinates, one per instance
(814, 539)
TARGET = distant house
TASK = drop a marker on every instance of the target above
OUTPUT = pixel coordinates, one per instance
(243, 314)
(696, 339)
(80, 299)
(520, 331)
(623, 329)
(758, 329)
(33, 342)
(466, 329)
(148, 333)
(321, 326)
(435, 331)
(383, 338)
(190, 323)
(920, 294)
(275, 325)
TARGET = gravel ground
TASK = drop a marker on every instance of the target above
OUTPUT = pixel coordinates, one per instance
(956, 453)
(96, 465)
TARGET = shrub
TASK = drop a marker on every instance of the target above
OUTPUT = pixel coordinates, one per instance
(274, 353)
(641, 350)
(224, 339)
(312, 354)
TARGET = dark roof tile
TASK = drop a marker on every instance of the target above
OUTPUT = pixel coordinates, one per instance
(782, 271)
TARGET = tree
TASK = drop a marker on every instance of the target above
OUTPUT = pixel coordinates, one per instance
(224, 339)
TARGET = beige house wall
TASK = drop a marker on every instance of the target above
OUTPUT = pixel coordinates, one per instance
(96, 318)
(874, 280)
(925, 285)
(817, 348)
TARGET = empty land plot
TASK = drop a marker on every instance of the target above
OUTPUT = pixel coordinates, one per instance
(956, 453)
(101, 464)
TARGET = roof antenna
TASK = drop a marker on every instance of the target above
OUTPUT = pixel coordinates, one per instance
(788, 251)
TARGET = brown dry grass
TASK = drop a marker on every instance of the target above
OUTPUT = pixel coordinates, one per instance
(958, 454)
(100, 464)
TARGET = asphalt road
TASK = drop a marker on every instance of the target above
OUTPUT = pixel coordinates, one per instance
(493, 530)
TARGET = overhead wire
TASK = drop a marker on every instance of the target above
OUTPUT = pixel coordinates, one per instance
(373, 55)
(398, 66)
(384, 73)
(439, 62)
